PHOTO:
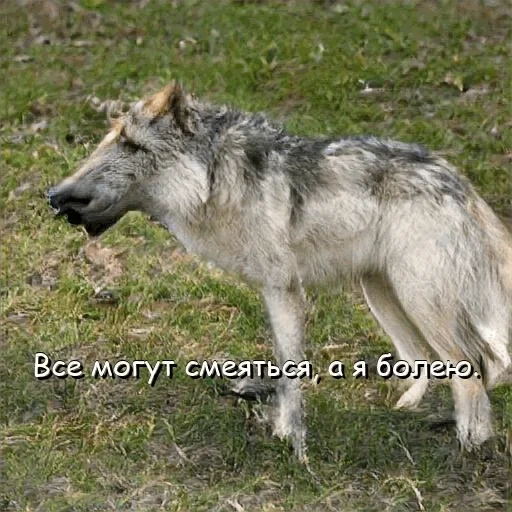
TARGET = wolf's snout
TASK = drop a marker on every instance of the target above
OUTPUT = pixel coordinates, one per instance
(94, 210)
(68, 202)
(67, 198)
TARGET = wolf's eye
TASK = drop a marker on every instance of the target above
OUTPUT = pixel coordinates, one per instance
(130, 144)
(127, 142)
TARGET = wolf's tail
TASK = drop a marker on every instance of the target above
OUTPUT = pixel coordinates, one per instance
(493, 322)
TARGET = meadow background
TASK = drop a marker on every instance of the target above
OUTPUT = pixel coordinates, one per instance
(433, 72)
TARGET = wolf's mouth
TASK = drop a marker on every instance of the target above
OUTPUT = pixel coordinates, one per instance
(97, 228)
(73, 216)
(94, 226)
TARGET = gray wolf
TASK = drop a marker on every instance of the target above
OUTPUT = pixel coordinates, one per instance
(283, 211)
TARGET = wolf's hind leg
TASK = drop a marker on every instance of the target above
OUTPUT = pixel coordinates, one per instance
(453, 342)
(496, 338)
(407, 339)
(472, 412)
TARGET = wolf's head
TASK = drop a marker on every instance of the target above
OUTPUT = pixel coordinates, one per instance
(153, 159)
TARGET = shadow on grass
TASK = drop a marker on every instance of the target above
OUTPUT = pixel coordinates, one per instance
(360, 451)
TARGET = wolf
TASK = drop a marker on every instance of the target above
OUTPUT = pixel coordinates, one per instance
(285, 212)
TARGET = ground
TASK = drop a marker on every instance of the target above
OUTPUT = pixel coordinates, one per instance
(433, 72)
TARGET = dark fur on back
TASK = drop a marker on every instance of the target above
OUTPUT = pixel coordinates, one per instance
(393, 169)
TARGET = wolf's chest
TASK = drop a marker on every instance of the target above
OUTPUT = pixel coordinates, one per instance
(224, 247)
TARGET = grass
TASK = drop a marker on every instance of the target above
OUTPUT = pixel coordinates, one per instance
(432, 72)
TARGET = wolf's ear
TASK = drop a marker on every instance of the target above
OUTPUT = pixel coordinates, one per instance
(172, 99)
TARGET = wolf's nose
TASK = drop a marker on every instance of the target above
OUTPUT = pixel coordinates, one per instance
(53, 198)
(62, 196)
(59, 196)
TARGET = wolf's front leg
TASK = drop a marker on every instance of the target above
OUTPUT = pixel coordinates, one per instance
(285, 305)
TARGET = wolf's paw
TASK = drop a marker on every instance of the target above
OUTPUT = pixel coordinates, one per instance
(473, 417)
(291, 429)
(412, 397)
(472, 438)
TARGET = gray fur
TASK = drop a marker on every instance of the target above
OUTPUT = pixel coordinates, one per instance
(283, 211)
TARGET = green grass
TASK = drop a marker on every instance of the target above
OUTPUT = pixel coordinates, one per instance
(439, 74)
